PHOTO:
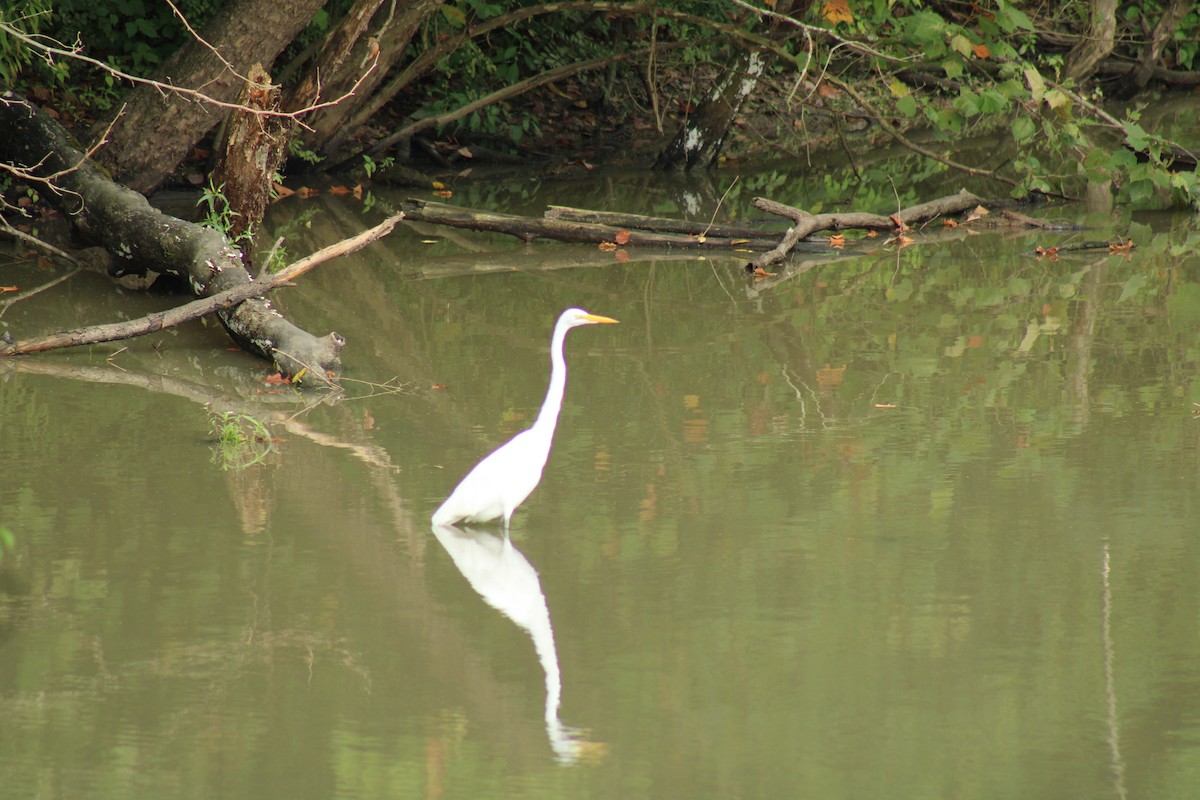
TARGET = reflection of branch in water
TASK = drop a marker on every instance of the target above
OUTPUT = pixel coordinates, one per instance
(508, 583)
(1116, 763)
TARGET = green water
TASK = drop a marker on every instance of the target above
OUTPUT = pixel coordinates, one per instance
(911, 525)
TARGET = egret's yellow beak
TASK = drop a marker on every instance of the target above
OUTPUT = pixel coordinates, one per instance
(598, 318)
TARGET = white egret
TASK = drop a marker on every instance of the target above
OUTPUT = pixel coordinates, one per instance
(502, 481)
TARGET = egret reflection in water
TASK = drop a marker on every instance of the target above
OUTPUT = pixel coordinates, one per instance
(508, 583)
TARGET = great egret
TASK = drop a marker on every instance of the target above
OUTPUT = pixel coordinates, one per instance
(502, 481)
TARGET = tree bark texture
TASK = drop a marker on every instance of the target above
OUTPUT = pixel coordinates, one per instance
(141, 238)
(1097, 42)
(250, 152)
(155, 130)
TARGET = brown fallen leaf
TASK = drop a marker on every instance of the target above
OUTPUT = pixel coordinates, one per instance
(1120, 248)
(9, 289)
(607, 246)
(340, 190)
(762, 273)
(622, 237)
(837, 11)
(979, 213)
(837, 240)
(900, 225)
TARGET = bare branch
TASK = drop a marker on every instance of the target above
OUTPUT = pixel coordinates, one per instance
(50, 48)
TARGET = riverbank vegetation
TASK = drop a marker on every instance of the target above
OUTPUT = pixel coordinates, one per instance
(445, 85)
(116, 99)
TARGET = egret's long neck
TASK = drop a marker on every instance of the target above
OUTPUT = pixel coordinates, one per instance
(548, 416)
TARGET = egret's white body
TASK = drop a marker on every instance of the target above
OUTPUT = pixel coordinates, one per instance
(502, 481)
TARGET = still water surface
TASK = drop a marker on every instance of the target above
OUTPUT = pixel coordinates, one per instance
(910, 525)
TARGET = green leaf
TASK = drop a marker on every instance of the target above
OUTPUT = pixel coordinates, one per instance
(454, 15)
(1023, 129)
(1132, 286)
(1056, 99)
(1037, 84)
(1136, 136)
(961, 45)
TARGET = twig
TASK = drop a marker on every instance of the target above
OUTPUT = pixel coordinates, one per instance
(26, 294)
(713, 218)
(36, 242)
(36, 43)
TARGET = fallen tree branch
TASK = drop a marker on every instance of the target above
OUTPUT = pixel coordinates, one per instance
(806, 224)
(141, 238)
(564, 230)
(162, 320)
(661, 224)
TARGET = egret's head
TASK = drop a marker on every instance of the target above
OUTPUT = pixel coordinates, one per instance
(577, 316)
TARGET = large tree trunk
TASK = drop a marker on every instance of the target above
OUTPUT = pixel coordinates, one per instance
(1097, 43)
(139, 238)
(155, 130)
(371, 30)
(698, 141)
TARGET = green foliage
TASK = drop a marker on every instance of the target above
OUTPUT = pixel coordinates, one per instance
(25, 17)
(135, 35)
(296, 149)
(241, 440)
(217, 213)
(371, 166)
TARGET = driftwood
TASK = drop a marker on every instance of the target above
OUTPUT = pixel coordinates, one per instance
(565, 230)
(805, 224)
(141, 238)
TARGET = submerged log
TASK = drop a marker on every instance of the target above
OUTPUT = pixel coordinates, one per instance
(564, 230)
(662, 224)
(583, 226)
(141, 238)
